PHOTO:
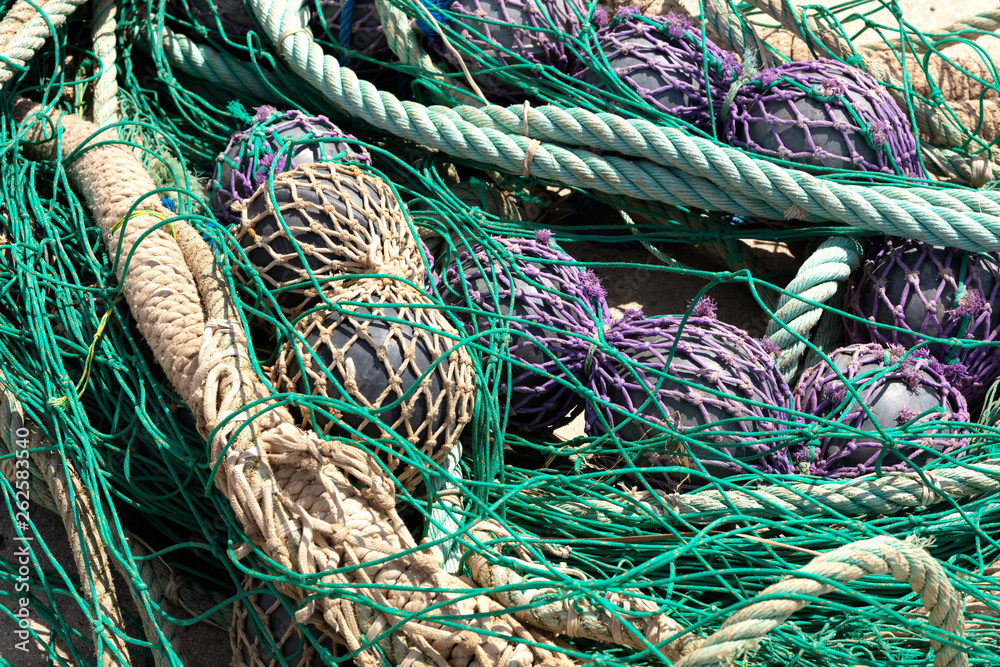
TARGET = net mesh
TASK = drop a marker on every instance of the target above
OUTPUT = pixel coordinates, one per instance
(582, 548)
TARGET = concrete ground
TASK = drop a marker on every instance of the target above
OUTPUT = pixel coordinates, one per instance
(657, 293)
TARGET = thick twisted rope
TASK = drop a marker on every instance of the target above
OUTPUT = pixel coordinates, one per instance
(574, 615)
(31, 35)
(886, 495)
(817, 280)
(968, 28)
(105, 111)
(706, 175)
(204, 62)
(16, 17)
(905, 561)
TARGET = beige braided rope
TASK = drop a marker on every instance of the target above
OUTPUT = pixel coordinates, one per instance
(15, 19)
(950, 80)
(970, 28)
(573, 616)
(310, 505)
(89, 552)
(905, 561)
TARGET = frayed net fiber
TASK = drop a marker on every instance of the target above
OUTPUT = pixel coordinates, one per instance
(825, 114)
(658, 390)
(902, 391)
(551, 311)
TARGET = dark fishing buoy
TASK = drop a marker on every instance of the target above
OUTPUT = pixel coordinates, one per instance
(334, 220)
(393, 363)
(909, 392)
(670, 382)
(550, 309)
(825, 114)
(662, 60)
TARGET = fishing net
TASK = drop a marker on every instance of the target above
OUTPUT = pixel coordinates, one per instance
(395, 361)
(150, 401)
(335, 217)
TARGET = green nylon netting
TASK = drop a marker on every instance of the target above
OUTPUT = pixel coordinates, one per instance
(88, 383)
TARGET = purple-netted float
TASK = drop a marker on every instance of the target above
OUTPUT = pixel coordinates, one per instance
(699, 377)
(824, 114)
(662, 60)
(933, 291)
(901, 390)
(551, 310)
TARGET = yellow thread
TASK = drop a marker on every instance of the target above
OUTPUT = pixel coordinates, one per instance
(136, 214)
(81, 386)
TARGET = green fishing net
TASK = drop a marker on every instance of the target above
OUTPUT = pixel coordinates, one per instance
(93, 397)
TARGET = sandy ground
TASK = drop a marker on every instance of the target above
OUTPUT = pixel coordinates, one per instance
(656, 293)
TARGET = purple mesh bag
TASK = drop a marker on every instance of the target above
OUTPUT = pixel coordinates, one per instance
(908, 395)
(286, 139)
(235, 18)
(662, 61)
(940, 292)
(495, 27)
(564, 297)
(709, 354)
(825, 114)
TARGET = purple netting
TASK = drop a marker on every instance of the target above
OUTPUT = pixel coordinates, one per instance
(709, 354)
(235, 18)
(282, 139)
(482, 23)
(663, 62)
(366, 34)
(940, 292)
(826, 114)
(896, 396)
(564, 297)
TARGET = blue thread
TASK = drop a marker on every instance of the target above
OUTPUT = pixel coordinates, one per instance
(346, 25)
(434, 8)
(166, 201)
